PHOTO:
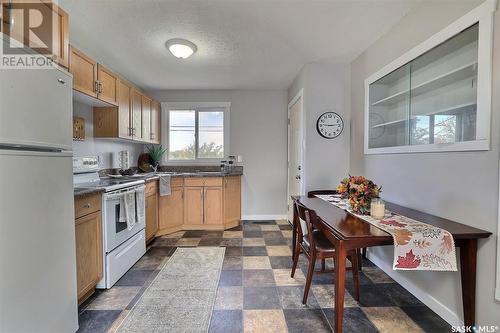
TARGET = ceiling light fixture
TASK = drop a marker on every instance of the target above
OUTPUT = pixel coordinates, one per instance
(181, 48)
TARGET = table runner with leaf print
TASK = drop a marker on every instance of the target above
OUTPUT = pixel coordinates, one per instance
(417, 245)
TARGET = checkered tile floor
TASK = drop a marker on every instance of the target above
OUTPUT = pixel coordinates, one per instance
(256, 293)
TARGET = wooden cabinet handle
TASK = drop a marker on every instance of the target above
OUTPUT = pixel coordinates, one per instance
(87, 205)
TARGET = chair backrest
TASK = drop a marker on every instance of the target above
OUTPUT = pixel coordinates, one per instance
(310, 218)
(311, 194)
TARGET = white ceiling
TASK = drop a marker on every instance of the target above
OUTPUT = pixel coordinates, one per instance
(242, 44)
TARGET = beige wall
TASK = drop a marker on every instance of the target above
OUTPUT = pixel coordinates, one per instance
(258, 132)
(105, 148)
(325, 88)
(462, 186)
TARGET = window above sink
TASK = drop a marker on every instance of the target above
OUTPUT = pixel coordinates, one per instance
(196, 133)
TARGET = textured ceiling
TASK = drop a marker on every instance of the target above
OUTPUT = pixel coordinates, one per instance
(259, 44)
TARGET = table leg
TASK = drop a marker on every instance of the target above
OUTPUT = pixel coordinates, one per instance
(340, 260)
(468, 263)
(295, 218)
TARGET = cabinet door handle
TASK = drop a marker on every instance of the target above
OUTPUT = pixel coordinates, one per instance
(100, 87)
(96, 86)
(87, 205)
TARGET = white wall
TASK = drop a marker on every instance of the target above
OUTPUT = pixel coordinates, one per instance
(105, 148)
(326, 87)
(462, 186)
(258, 132)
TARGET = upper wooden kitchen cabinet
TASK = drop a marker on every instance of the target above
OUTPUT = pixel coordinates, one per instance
(60, 35)
(116, 122)
(13, 27)
(84, 70)
(125, 115)
(146, 119)
(155, 122)
(107, 85)
(93, 79)
(137, 114)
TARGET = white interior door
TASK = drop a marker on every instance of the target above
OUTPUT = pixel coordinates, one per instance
(295, 150)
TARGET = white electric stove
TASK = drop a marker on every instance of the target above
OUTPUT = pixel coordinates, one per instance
(123, 244)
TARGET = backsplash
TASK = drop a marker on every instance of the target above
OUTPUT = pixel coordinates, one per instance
(106, 149)
(179, 168)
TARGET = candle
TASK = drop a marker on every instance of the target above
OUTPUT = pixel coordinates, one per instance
(377, 208)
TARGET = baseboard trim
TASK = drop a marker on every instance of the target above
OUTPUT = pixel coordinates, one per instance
(443, 311)
(264, 217)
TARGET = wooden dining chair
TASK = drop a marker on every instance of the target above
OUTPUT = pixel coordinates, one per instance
(314, 245)
(311, 194)
(362, 252)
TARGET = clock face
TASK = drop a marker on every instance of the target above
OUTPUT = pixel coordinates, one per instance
(330, 125)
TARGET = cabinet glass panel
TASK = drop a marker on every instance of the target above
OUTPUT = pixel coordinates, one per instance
(389, 109)
(443, 91)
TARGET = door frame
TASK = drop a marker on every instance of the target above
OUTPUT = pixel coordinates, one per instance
(293, 101)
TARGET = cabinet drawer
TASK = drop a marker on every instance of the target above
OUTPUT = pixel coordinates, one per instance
(177, 181)
(151, 188)
(213, 181)
(193, 181)
(87, 205)
(203, 181)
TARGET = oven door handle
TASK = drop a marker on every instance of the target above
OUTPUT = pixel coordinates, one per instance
(118, 195)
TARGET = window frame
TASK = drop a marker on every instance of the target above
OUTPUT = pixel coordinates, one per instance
(483, 15)
(198, 107)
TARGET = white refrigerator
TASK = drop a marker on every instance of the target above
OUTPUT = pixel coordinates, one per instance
(37, 229)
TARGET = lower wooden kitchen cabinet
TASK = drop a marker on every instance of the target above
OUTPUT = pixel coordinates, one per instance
(151, 210)
(213, 205)
(201, 203)
(193, 206)
(88, 237)
(171, 210)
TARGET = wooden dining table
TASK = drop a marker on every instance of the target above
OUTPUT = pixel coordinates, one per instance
(347, 232)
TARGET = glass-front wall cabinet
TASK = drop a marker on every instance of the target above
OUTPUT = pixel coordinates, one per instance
(430, 100)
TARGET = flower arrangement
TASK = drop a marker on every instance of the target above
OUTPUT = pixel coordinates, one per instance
(360, 192)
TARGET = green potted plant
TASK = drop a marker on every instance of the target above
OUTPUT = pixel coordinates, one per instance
(155, 155)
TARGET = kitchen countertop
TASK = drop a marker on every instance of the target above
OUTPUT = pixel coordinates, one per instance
(84, 191)
(80, 192)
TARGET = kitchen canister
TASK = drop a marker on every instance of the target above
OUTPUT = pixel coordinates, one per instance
(124, 160)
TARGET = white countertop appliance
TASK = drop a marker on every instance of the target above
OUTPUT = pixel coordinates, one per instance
(37, 226)
(124, 244)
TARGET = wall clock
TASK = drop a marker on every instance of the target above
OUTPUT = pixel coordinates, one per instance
(330, 125)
